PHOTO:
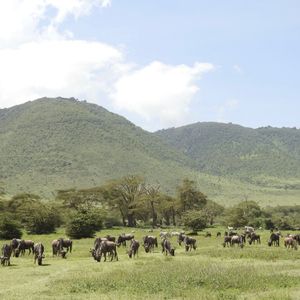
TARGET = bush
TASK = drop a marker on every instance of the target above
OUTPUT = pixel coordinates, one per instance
(42, 219)
(84, 223)
(195, 220)
(9, 228)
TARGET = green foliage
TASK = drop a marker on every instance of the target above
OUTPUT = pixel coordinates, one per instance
(9, 228)
(195, 220)
(84, 223)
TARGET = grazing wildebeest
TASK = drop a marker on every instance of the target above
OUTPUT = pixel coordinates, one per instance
(238, 240)
(274, 239)
(167, 248)
(219, 234)
(232, 233)
(149, 243)
(15, 243)
(297, 238)
(38, 251)
(227, 241)
(22, 246)
(253, 237)
(59, 245)
(181, 237)
(104, 248)
(290, 242)
(207, 234)
(190, 243)
(123, 238)
(6, 252)
(134, 248)
(110, 238)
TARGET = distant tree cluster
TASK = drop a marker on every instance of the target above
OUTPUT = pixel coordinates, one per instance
(130, 201)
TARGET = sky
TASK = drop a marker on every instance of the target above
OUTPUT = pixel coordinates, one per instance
(160, 64)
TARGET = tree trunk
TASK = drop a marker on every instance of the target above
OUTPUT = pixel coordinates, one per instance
(154, 215)
(131, 220)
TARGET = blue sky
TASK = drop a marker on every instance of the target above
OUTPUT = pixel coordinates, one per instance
(162, 63)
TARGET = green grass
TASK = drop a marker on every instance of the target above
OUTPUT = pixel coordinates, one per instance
(210, 272)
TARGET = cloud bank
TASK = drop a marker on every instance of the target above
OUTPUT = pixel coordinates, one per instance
(38, 58)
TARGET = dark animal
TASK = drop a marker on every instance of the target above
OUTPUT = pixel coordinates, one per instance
(38, 252)
(110, 238)
(167, 248)
(297, 238)
(14, 243)
(59, 245)
(134, 248)
(237, 240)
(181, 237)
(104, 248)
(219, 234)
(22, 246)
(274, 239)
(190, 243)
(6, 252)
(207, 234)
(290, 242)
(149, 243)
(254, 238)
(227, 241)
(123, 238)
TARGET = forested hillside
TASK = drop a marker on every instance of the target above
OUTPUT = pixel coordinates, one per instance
(52, 144)
(252, 155)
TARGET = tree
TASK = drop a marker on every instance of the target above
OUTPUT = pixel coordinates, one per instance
(189, 196)
(195, 220)
(152, 199)
(125, 195)
(84, 223)
(168, 207)
(9, 228)
(212, 210)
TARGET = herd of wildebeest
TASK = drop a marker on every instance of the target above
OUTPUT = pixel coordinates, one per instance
(108, 245)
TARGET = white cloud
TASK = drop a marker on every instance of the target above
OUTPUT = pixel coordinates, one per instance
(38, 59)
(159, 93)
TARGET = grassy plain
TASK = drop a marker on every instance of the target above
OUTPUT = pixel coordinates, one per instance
(211, 272)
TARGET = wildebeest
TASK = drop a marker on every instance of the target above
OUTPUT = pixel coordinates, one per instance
(274, 239)
(104, 248)
(59, 245)
(227, 241)
(22, 246)
(219, 234)
(190, 243)
(167, 248)
(181, 237)
(110, 238)
(253, 237)
(149, 242)
(207, 234)
(6, 252)
(15, 243)
(134, 248)
(38, 252)
(297, 238)
(290, 242)
(238, 240)
(123, 238)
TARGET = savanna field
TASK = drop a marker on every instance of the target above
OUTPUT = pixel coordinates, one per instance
(210, 272)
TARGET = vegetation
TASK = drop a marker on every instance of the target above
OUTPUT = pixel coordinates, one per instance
(54, 144)
(9, 228)
(210, 272)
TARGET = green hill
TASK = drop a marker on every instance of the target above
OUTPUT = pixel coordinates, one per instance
(51, 144)
(259, 156)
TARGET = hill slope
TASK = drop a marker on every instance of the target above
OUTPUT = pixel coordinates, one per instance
(57, 143)
(252, 155)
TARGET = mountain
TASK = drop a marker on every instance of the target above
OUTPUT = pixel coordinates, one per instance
(252, 155)
(50, 144)
(57, 143)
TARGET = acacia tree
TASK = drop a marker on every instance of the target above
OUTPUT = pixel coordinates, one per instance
(125, 194)
(189, 197)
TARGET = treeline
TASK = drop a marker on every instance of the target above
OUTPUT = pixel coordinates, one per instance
(131, 202)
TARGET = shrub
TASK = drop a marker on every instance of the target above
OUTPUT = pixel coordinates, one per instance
(195, 220)
(9, 228)
(84, 223)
